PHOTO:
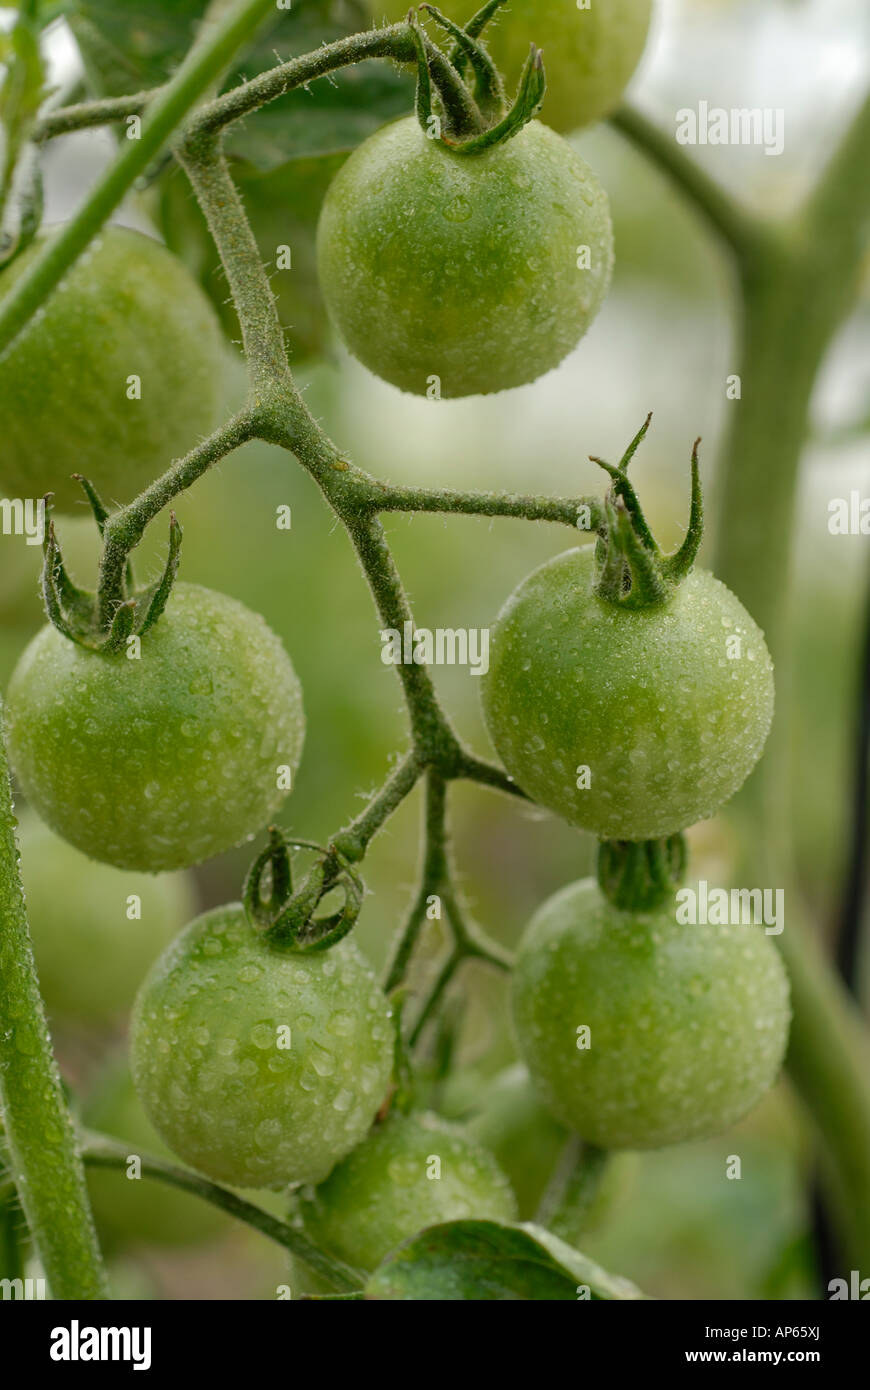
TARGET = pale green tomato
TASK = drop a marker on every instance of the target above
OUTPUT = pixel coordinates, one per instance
(412, 1171)
(630, 723)
(260, 1067)
(164, 760)
(590, 50)
(95, 929)
(120, 372)
(528, 1143)
(687, 1025)
(451, 274)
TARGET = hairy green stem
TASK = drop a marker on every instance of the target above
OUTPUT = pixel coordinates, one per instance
(436, 993)
(353, 841)
(100, 1151)
(205, 61)
(38, 1134)
(433, 874)
(87, 114)
(432, 733)
(265, 353)
(573, 1188)
(583, 513)
(394, 42)
(124, 529)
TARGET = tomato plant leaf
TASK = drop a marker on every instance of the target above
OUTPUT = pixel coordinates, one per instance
(487, 1261)
(138, 44)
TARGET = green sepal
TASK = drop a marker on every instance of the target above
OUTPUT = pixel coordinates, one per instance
(527, 103)
(74, 611)
(286, 917)
(488, 87)
(631, 570)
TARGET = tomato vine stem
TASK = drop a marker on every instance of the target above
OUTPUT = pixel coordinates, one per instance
(783, 337)
(44, 1161)
(782, 348)
(101, 1151)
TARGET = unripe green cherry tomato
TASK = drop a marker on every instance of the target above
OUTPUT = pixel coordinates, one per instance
(687, 1024)
(590, 51)
(453, 274)
(164, 760)
(630, 723)
(411, 1172)
(140, 1210)
(528, 1143)
(521, 1133)
(95, 929)
(260, 1067)
(119, 372)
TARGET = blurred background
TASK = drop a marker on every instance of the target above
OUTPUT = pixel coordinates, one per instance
(664, 341)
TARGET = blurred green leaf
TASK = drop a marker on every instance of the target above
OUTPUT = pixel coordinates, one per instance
(283, 156)
(138, 44)
(484, 1261)
(130, 46)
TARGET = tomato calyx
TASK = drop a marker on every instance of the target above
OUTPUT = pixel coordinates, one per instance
(639, 875)
(75, 612)
(632, 571)
(470, 114)
(287, 917)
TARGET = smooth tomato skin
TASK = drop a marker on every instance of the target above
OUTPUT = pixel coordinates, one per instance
(463, 267)
(140, 1211)
(668, 724)
(590, 54)
(688, 1024)
(127, 308)
(164, 761)
(382, 1194)
(207, 1065)
(90, 956)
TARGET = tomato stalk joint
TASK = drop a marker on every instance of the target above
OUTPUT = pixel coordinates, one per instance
(640, 875)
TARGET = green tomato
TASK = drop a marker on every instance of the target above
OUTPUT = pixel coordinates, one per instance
(68, 404)
(95, 929)
(165, 760)
(260, 1067)
(528, 1143)
(141, 1211)
(687, 1024)
(413, 1171)
(590, 52)
(463, 268)
(667, 707)
(522, 1134)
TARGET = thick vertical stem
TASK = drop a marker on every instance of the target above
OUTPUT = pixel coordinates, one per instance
(43, 1157)
(795, 294)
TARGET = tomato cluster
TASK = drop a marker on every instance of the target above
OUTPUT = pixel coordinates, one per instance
(627, 692)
